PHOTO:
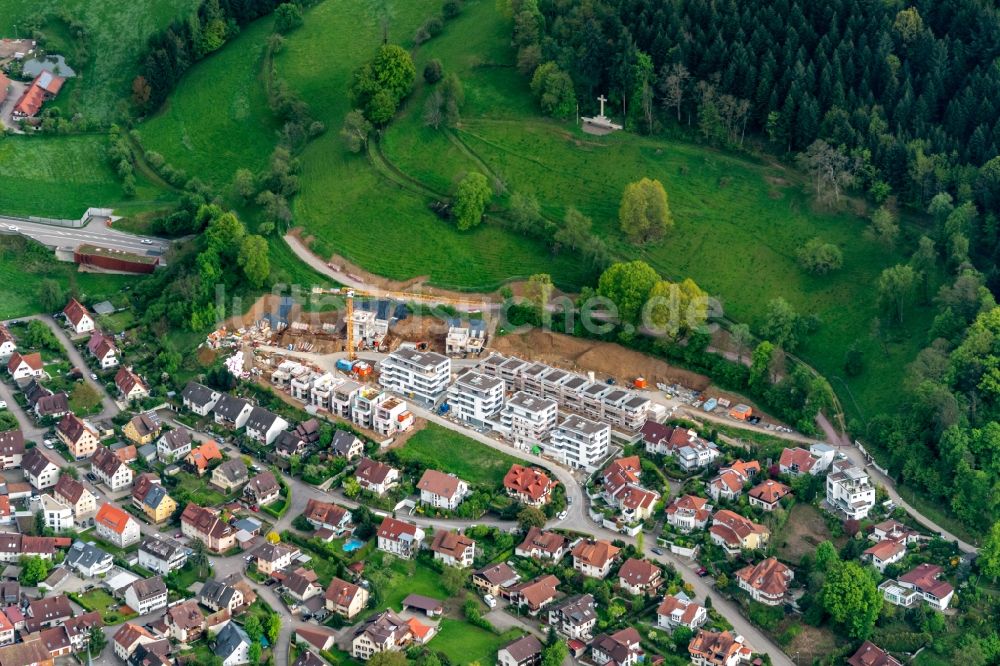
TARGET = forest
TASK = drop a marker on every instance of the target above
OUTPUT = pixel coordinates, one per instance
(902, 99)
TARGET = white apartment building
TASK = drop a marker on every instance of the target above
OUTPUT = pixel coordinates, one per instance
(366, 402)
(849, 490)
(58, 515)
(527, 421)
(423, 376)
(580, 442)
(322, 390)
(392, 415)
(474, 398)
(342, 398)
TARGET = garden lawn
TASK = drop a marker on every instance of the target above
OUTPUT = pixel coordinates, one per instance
(423, 581)
(439, 448)
(100, 600)
(218, 119)
(199, 490)
(63, 176)
(116, 34)
(32, 263)
(465, 643)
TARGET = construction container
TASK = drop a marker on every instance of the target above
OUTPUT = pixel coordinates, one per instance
(741, 412)
(362, 369)
(710, 404)
(344, 365)
(640, 382)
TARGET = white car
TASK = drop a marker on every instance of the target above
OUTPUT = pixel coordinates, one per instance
(146, 241)
(562, 515)
(93, 376)
(490, 600)
(11, 227)
(49, 444)
(3, 404)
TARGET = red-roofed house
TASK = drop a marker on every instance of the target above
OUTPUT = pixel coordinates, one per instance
(102, 348)
(528, 485)
(688, 513)
(445, 491)
(767, 581)
(130, 385)
(23, 367)
(639, 576)
(453, 549)
(709, 648)
(734, 532)
(885, 553)
(680, 611)
(768, 494)
(799, 461)
(594, 558)
(542, 545)
(8, 345)
(399, 538)
(45, 86)
(622, 490)
(78, 317)
(870, 654)
(924, 578)
(728, 484)
(116, 526)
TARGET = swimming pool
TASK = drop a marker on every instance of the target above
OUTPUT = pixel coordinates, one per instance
(353, 544)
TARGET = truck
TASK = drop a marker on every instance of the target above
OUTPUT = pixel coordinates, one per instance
(344, 365)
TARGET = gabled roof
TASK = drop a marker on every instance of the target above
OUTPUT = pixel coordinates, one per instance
(372, 471)
(205, 521)
(145, 424)
(547, 542)
(451, 543)
(5, 334)
(126, 381)
(498, 574)
(393, 529)
(52, 405)
(11, 443)
(925, 578)
(524, 648)
(113, 518)
(264, 483)
(35, 461)
(261, 419)
(230, 639)
(681, 608)
(74, 310)
(768, 576)
(324, 512)
(229, 407)
(186, 615)
(341, 593)
(161, 547)
(197, 394)
(886, 549)
(797, 458)
(342, 442)
(439, 483)
(870, 654)
(105, 461)
(34, 361)
(217, 593)
(129, 633)
(101, 345)
(769, 491)
(538, 591)
(638, 572)
(74, 428)
(233, 470)
(150, 588)
(69, 489)
(85, 555)
(200, 456)
(178, 438)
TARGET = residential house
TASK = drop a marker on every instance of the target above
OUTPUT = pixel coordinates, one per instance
(795, 461)
(309, 658)
(232, 645)
(11, 449)
(271, 557)
(884, 553)
(895, 531)
(129, 637)
(200, 458)
(376, 477)
(423, 376)
(543, 545)
(679, 611)
(263, 426)
(849, 491)
(711, 648)
(315, 639)
(474, 398)
(58, 515)
(25, 366)
(728, 484)
(579, 442)
(102, 348)
(75, 494)
(346, 445)
(768, 495)
(185, 621)
(116, 526)
(110, 469)
(870, 654)
(130, 385)
(88, 559)
(525, 651)
(8, 345)
(574, 617)
(31, 652)
(399, 538)
(621, 490)
(384, 632)
(230, 475)
(232, 412)
(528, 485)
(766, 582)
(528, 420)
(345, 599)
(594, 558)
(691, 451)
(13, 546)
(262, 489)
(79, 436)
(536, 594)
(453, 549)
(922, 583)
(6, 629)
(146, 596)
(444, 491)
(199, 398)
(218, 596)
(495, 579)
(174, 445)
(161, 555)
(40, 471)
(324, 515)
(47, 612)
(78, 317)
(639, 576)
(301, 584)
(207, 526)
(288, 444)
(734, 532)
(78, 629)
(43, 402)
(619, 649)
(143, 428)
(688, 513)
(150, 497)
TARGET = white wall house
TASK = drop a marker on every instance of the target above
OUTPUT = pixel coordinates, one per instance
(422, 376)
(474, 398)
(580, 442)
(849, 490)
(264, 426)
(527, 420)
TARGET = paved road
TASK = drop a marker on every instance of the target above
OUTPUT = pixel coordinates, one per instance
(95, 232)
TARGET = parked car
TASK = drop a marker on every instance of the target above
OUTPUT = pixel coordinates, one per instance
(702, 572)
(146, 241)
(93, 376)
(562, 515)
(3, 404)
(490, 600)
(91, 477)
(656, 551)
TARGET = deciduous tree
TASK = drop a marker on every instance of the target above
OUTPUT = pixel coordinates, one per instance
(895, 290)
(644, 214)
(819, 258)
(355, 131)
(627, 285)
(470, 200)
(852, 599)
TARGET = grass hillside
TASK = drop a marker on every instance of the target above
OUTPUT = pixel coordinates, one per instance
(116, 33)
